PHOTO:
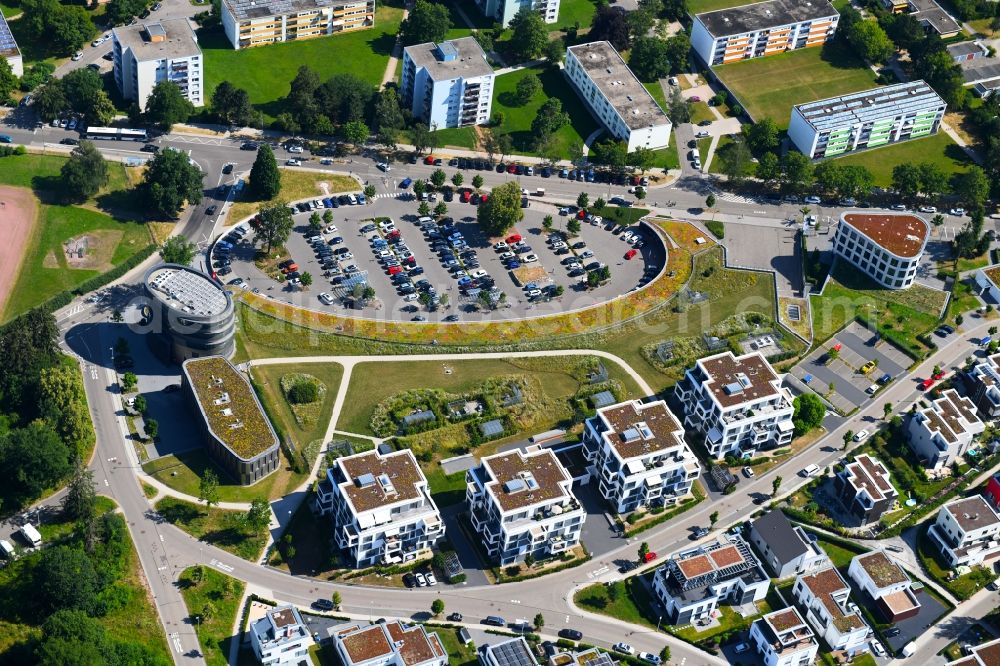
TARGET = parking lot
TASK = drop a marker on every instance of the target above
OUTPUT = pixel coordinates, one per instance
(856, 346)
(462, 272)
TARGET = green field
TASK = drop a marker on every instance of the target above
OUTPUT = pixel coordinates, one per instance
(656, 90)
(183, 472)
(218, 527)
(939, 149)
(517, 118)
(9, 10)
(805, 75)
(266, 71)
(572, 12)
(214, 598)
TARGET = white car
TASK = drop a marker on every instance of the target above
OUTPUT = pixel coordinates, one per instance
(624, 648)
(478, 273)
(897, 207)
(507, 255)
(501, 246)
(813, 200)
(431, 580)
(701, 134)
(877, 648)
(748, 472)
(627, 236)
(596, 220)
(649, 658)
(295, 149)
(928, 209)
(77, 56)
(352, 199)
(534, 293)
(421, 581)
(384, 166)
(99, 41)
(292, 162)
(586, 254)
(529, 258)
(860, 435)
(410, 297)
(332, 229)
(741, 648)
(326, 298)
(957, 212)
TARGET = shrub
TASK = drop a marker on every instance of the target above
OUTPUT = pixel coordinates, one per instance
(303, 392)
(717, 228)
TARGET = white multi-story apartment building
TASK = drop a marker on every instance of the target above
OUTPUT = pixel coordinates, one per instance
(280, 638)
(147, 53)
(988, 281)
(638, 455)
(866, 119)
(448, 84)
(967, 532)
(381, 507)
(521, 503)
(782, 638)
(785, 549)
(257, 22)
(737, 403)
(886, 583)
(983, 382)
(692, 583)
(887, 246)
(616, 97)
(389, 644)
(504, 11)
(9, 50)
(825, 597)
(762, 29)
(942, 433)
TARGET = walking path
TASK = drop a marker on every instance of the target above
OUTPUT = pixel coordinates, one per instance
(390, 67)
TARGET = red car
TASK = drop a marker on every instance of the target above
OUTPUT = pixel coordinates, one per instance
(513, 238)
(631, 253)
(484, 198)
(838, 347)
(512, 168)
(290, 268)
(926, 384)
(393, 270)
(429, 159)
(635, 180)
(649, 557)
(466, 195)
(581, 214)
(939, 375)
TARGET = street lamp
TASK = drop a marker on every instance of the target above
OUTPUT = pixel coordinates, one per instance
(658, 623)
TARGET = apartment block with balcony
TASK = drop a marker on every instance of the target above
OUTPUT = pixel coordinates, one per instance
(983, 386)
(389, 644)
(782, 638)
(280, 638)
(762, 29)
(967, 532)
(865, 489)
(521, 504)
(638, 455)
(147, 53)
(942, 433)
(504, 11)
(737, 403)
(448, 84)
(249, 23)
(785, 549)
(825, 597)
(886, 584)
(888, 246)
(693, 583)
(381, 508)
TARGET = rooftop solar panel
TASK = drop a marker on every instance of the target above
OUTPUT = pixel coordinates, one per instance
(7, 42)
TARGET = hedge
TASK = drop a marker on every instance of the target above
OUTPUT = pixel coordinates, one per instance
(699, 496)
(545, 572)
(717, 228)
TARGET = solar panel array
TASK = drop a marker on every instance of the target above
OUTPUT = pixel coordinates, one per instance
(7, 43)
(189, 291)
(870, 105)
(512, 653)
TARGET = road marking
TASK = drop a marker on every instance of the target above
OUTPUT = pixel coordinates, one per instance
(160, 568)
(175, 639)
(515, 601)
(224, 567)
(106, 483)
(161, 538)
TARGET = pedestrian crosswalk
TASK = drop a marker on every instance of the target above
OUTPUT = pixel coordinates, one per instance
(733, 198)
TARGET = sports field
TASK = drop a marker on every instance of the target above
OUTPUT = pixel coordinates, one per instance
(769, 87)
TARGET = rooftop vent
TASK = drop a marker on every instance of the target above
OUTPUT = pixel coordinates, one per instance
(386, 484)
(514, 486)
(529, 480)
(733, 389)
(743, 380)
(630, 435)
(447, 52)
(365, 480)
(644, 430)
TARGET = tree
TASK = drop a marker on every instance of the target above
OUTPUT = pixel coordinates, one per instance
(306, 279)
(769, 168)
(170, 181)
(527, 87)
(870, 41)
(547, 223)
(972, 186)
(81, 498)
(529, 34)
(140, 404)
(315, 221)
(775, 484)
(906, 180)
(129, 381)
(553, 51)
(84, 173)
(8, 80)
(426, 22)
(735, 160)
(477, 182)
(208, 488)
(886, 410)
(58, 29)
(419, 186)
(177, 250)
(152, 428)
(336, 599)
(120, 12)
(933, 180)
(167, 105)
(328, 215)
(710, 201)
(457, 179)
(616, 591)
(808, 413)
(643, 551)
(600, 203)
(713, 518)
(101, 110)
(259, 515)
(424, 209)
(549, 119)
(65, 578)
(648, 59)
(611, 24)
(582, 200)
(441, 209)
(573, 226)
(847, 437)
(438, 177)
(272, 225)
(761, 136)
(502, 210)
(231, 105)
(51, 101)
(504, 144)
(539, 621)
(611, 153)
(437, 606)
(642, 159)
(388, 116)
(34, 458)
(355, 132)
(678, 109)
(420, 135)
(796, 171)
(36, 75)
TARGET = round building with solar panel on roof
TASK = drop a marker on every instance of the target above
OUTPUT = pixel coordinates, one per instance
(194, 314)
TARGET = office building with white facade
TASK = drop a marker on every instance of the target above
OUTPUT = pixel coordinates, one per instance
(867, 119)
(737, 403)
(9, 49)
(448, 84)
(983, 386)
(967, 532)
(381, 508)
(521, 504)
(865, 489)
(145, 54)
(988, 282)
(504, 11)
(280, 638)
(785, 549)
(782, 638)
(825, 597)
(693, 583)
(886, 584)
(616, 97)
(761, 29)
(389, 644)
(250, 23)
(887, 247)
(942, 433)
(638, 455)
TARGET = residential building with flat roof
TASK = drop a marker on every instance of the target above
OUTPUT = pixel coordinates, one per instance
(942, 433)
(967, 532)
(887, 247)
(987, 654)
(589, 657)
(250, 23)
(280, 638)
(693, 583)
(825, 596)
(616, 97)
(522, 503)
(9, 49)
(782, 638)
(638, 455)
(737, 403)
(865, 489)
(448, 84)
(785, 549)
(886, 583)
(934, 18)
(381, 507)
(148, 53)
(982, 384)
(988, 281)
(504, 11)
(193, 314)
(237, 432)
(389, 644)
(761, 29)
(867, 119)
(510, 652)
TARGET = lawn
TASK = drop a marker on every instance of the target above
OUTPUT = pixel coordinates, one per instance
(455, 137)
(218, 527)
(266, 71)
(459, 654)
(700, 112)
(518, 118)
(983, 26)
(312, 424)
(295, 185)
(574, 12)
(182, 472)
(805, 75)
(656, 90)
(939, 149)
(446, 489)
(9, 10)
(716, 165)
(963, 586)
(215, 599)
(838, 554)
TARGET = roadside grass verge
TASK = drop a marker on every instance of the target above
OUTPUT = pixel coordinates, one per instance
(295, 185)
(218, 527)
(183, 471)
(214, 598)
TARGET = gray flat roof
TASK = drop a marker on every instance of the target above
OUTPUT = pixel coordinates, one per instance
(965, 48)
(178, 39)
(609, 72)
(469, 60)
(937, 18)
(868, 105)
(983, 69)
(187, 290)
(763, 15)
(8, 47)
(250, 9)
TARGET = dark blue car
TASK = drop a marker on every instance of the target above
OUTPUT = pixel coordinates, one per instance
(406, 183)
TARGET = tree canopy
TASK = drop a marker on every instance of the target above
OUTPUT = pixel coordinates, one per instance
(231, 105)
(178, 250)
(265, 179)
(171, 180)
(167, 106)
(530, 34)
(273, 225)
(649, 58)
(56, 28)
(84, 173)
(426, 22)
(502, 210)
(808, 413)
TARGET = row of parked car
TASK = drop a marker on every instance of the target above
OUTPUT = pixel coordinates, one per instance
(221, 253)
(330, 202)
(461, 261)
(589, 174)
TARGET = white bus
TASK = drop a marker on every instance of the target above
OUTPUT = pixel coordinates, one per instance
(116, 133)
